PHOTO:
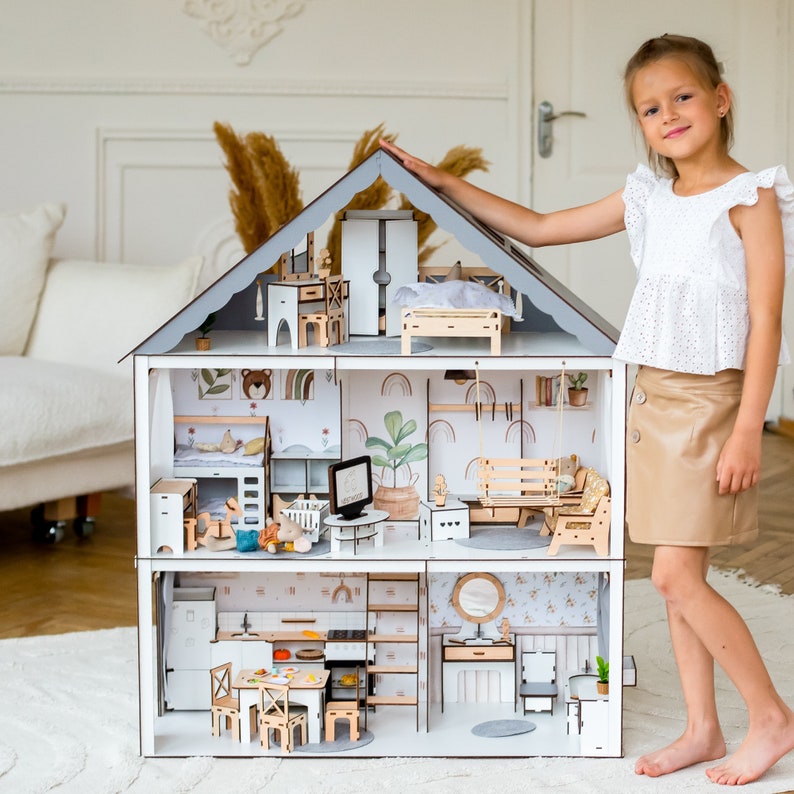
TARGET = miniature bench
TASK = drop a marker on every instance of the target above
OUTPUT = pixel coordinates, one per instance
(451, 322)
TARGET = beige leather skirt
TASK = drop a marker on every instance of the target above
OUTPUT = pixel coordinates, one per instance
(677, 426)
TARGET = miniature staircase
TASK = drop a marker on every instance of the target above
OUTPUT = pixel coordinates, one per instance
(399, 679)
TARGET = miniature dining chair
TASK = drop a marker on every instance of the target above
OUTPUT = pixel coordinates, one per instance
(330, 323)
(224, 705)
(344, 709)
(275, 712)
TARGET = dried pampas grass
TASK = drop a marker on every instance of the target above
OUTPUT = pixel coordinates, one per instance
(375, 197)
(460, 161)
(265, 190)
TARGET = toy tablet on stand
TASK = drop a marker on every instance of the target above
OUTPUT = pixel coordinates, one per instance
(350, 487)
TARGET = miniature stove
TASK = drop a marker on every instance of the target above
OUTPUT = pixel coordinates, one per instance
(347, 644)
(335, 635)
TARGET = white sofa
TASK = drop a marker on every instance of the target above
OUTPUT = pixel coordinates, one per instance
(65, 397)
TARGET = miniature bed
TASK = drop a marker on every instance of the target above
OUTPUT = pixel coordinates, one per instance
(239, 470)
(460, 302)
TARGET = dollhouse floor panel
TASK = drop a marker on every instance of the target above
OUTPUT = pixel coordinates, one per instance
(394, 728)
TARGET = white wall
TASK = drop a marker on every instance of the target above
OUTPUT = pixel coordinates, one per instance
(109, 106)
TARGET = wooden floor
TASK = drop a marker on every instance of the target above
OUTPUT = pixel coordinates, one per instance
(78, 585)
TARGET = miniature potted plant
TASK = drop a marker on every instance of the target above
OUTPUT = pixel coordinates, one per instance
(203, 341)
(602, 685)
(399, 501)
(577, 393)
(440, 490)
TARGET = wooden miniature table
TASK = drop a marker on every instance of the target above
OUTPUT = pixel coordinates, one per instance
(344, 530)
(300, 692)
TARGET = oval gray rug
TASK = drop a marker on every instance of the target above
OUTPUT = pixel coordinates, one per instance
(509, 538)
(496, 728)
(341, 742)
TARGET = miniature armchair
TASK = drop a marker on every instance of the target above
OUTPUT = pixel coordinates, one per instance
(584, 524)
(275, 712)
(224, 706)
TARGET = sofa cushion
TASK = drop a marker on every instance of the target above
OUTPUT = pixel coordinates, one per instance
(94, 313)
(26, 241)
(55, 409)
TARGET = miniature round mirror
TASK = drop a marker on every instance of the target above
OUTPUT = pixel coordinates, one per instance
(478, 597)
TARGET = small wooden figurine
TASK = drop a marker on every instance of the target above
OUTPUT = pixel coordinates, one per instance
(505, 627)
(440, 490)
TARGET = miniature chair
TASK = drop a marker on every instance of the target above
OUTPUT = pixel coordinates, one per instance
(275, 712)
(223, 704)
(538, 687)
(344, 710)
(330, 324)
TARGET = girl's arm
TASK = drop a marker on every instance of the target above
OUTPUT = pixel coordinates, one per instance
(761, 231)
(588, 222)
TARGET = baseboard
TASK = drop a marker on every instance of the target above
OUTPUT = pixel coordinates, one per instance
(783, 427)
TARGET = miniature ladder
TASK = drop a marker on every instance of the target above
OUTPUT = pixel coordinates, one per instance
(380, 610)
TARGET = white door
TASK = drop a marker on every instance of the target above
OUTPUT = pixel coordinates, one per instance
(580, 48)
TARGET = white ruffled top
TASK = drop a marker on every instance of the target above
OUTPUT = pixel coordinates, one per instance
(689, 312)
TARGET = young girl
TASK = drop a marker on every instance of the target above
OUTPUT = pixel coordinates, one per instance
(710, 240)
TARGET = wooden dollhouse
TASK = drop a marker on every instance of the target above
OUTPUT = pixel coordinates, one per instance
(424, 618)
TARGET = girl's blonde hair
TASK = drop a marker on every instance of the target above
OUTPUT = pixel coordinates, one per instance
(700, 57)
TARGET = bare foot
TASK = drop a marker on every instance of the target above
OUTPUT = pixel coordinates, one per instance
(763, 746)
(683, 752)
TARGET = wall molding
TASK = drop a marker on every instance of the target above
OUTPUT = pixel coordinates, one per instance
(124, 151)
(237, 87)
(239, 27)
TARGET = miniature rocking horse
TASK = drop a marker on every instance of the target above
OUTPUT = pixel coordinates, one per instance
(203, 526)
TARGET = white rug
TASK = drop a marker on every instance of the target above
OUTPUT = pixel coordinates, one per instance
(69, 723)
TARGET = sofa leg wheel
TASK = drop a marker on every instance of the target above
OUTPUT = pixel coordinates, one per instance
(49, 533)
(83, 527)
(46, 530)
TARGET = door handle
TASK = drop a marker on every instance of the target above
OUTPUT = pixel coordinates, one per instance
(546, 116)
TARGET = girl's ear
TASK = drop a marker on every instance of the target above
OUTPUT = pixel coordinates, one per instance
(723, 93)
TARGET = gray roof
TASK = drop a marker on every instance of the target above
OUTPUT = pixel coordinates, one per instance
(541, 289)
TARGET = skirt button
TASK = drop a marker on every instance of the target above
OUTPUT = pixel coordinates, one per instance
(635, 436)
(640, 398)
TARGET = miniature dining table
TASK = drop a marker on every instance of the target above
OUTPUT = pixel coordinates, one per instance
(306, 688)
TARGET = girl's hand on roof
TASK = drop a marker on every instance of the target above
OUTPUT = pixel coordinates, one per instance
(429, 173)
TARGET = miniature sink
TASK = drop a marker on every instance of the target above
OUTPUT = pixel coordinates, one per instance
(244, 634)
(582, 685)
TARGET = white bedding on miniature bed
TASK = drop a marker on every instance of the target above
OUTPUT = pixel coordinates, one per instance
(455, 294)
(190, 456)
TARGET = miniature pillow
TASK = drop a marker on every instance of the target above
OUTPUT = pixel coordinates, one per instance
(26, 242)
(594, 490)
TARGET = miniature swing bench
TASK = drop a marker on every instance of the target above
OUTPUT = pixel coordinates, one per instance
(527, 483)
(533, 485)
